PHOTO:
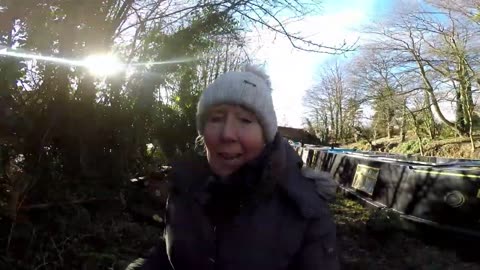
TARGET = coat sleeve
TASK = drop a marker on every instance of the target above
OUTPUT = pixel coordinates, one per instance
(319, 249)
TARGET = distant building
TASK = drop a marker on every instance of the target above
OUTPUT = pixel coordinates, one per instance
(298, 135)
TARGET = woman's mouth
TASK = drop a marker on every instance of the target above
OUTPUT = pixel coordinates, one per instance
(229, 156)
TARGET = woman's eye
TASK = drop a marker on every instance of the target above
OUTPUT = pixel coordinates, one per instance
(215, 119)
(246, 120)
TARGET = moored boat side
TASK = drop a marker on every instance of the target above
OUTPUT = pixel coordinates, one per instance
(435, 191)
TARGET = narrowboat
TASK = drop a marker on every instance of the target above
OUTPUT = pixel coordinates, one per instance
(439, 192)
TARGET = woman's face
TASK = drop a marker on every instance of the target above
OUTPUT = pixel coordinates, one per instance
(233, 136)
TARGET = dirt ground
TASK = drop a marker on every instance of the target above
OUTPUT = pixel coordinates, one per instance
(369, 239)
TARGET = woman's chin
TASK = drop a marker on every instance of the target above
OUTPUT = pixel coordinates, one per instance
(224, 171)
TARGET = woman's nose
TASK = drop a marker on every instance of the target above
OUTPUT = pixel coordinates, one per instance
(229, 131)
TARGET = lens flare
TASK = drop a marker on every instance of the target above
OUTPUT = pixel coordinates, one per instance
(100, 65)
(103, 65)
(30, 56)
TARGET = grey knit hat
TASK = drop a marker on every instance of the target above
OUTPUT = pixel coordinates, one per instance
(250, 88)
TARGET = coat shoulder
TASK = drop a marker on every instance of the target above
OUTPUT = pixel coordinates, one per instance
(304, 192)
(188, 175)
(309, 190)
(325, 185)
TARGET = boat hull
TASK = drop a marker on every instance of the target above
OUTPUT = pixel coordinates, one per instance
(442, 194)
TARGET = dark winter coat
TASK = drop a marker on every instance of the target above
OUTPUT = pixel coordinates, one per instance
(268, 217)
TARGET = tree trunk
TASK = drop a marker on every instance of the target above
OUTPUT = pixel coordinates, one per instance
(431, 95)
(417, 134)
(389, 130)
(429, 118)
(459, 119)
(404, 122)
(470, 131)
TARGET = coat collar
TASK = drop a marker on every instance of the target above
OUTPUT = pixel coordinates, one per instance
(282, 169)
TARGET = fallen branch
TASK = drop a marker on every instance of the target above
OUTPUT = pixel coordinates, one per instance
(452, 141)
(48, 205)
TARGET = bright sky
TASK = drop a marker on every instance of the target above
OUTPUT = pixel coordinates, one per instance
(293, 71)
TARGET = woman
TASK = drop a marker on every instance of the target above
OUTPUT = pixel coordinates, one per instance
(247, 205)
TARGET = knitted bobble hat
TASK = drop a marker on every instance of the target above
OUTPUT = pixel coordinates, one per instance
(249, 88)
